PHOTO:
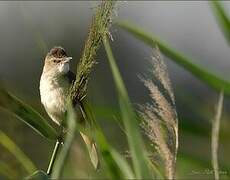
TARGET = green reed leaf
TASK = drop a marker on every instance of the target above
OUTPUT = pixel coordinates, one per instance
(105, 149)
(222, 18)
(38, 175)
(123, 165)
(7, 171)
(129, 119)
(117, 166)
(201, 73)
(7, 143)
(26, 113)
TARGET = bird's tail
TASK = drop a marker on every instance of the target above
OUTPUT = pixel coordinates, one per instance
(92, 149)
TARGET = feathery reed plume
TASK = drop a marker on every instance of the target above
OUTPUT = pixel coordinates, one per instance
(215, 135)
(160, 122)
(99, 28)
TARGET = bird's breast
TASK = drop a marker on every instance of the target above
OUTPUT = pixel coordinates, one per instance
(53, 94)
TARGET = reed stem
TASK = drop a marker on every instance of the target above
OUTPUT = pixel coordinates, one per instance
(215, 135)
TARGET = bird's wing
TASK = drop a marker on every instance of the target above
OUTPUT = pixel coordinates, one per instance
(71, 77)
(90, 144)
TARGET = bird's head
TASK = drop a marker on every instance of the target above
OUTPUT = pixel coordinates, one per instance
(56, 61)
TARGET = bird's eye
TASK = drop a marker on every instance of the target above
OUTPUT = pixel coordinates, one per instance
(56, 61)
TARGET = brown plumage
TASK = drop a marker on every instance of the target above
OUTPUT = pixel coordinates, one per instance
(57, 52)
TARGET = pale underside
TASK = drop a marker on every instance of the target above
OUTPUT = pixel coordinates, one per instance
(53, 92)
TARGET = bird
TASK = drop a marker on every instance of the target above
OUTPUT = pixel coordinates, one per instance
(55, 82)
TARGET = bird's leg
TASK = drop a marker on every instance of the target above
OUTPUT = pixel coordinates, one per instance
(62, 132)
(53, 157)
(59, 142)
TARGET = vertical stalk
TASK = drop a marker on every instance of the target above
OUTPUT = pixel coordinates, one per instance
(53, 157)
(215, 135)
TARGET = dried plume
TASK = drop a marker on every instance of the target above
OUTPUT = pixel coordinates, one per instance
(160, 121)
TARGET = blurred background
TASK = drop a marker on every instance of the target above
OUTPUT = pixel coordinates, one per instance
(29, 29)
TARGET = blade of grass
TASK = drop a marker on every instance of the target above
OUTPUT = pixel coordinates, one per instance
(7, 171)
(61, 159)
(123, 164)
(6, 142)
(26, 113)
(129, 119)
(201, 73)
(38, 175)
(116, 171)
(222, 18)
(115, 163)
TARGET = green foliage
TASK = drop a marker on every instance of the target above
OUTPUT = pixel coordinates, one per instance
(26, 113)
(38, 175)
(201, 73)
(123, 165)
(61, 159)
(7, 171)
(222, 18)
(6, 142)
(110, 161)
(117, 166)
(136, 145)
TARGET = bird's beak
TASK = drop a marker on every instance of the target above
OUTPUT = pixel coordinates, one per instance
(67, 59)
